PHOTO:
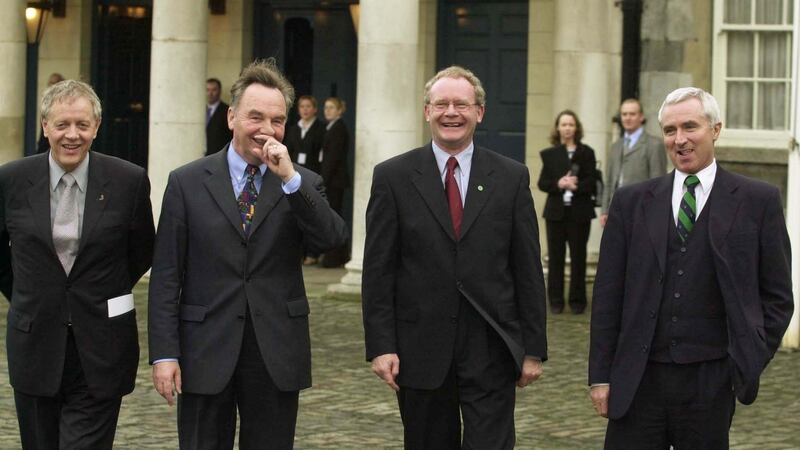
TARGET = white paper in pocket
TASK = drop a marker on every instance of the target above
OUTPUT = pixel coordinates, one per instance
(118, 306)
(301, 158)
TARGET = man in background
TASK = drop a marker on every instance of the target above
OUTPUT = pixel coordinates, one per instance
(43, 144)
(635, 157)
(217, 132)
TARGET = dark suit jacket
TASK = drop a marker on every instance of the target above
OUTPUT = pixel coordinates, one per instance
(207, 274)
(115, 250)
(415, 271)
(310, 145)
(335, 145)
(217, 132)
(751, 252)
(555, 164)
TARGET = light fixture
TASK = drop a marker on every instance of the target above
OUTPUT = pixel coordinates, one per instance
(35, 18)
(355, 13)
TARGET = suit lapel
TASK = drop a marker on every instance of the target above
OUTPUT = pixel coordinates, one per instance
(97, 197)
(429, 184)
(725, 206)
(219, 186)
(480, 188)
(656, 208)
(39, 200)
(270, 194)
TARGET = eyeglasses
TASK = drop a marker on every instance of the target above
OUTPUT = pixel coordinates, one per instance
(458, 106)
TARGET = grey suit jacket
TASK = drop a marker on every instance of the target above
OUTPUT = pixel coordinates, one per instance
(647, 159)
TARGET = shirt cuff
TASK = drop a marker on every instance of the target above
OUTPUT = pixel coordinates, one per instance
(165, 360)
(599, 384)
(293, 185)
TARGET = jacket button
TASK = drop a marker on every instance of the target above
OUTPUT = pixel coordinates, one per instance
(677, 295)
(674, 319)
(683, 249)
(644, 348)
(673, 343)
(680, 272)
(244, 243)
(453, 319)
(652, 314)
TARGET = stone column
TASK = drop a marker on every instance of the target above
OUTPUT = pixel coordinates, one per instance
(177, 89)
(12, 71)
(792, 337)
(586, 77)
(388, 105)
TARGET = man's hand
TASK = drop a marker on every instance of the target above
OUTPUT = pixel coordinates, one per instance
(603, 220)
(167, 380)
(531, 371)
(276, 156)
(599, 395)
(386, 367)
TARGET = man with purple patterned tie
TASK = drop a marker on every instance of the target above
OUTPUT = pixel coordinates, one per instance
(228, 311)
(453, 291)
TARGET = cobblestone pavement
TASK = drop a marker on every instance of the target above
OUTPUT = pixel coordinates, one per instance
(348, 408)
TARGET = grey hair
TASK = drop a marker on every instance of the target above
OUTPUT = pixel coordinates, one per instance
(707, 101)
(68, 90)
(457, 72)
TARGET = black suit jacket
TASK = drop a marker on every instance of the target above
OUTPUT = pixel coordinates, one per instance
(115, 250)
(555, 164)
(751, 257)
(207, 274)
(309, 145)
(335, 145)
(416, 271)
(217, 132)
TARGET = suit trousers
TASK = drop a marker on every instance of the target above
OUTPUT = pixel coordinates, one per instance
(73, 419)
(686, 406)
(561, 233)
(479, 388)
(267, 415)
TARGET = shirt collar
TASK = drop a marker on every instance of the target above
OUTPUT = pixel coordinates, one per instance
(237, 164)
(214, 105)
(635, 135)
(81, 173)
(464, 157)
(302, 124)
(706, 176)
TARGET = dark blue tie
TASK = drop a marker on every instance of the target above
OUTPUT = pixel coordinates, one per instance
(247, 198)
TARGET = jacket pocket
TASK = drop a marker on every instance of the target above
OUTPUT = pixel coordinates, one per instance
(19, 320)
(298, 307)
(193, 313)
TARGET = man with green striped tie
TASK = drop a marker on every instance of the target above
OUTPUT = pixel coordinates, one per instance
(692, 295)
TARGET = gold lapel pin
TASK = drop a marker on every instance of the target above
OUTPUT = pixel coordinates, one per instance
(101, 198)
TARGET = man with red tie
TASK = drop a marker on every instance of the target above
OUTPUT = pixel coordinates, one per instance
(453, 292)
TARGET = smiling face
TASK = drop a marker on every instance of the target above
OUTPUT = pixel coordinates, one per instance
(453, 125)
(70, 127)
(261, 112)
(688, 135)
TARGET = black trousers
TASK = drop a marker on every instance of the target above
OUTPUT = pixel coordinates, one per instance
(267, 415)
(561, 233)
(686, 406)
(73, 419)
(480, 389)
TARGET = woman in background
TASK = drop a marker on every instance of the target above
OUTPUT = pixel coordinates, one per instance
(568, 178)
(333, 156)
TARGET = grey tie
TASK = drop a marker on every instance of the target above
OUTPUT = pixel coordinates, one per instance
(66, 235)
(626, 144)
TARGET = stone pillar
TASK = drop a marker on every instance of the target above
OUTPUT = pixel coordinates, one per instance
(792, 337)
(389, 103)
(12, 71)
(177, 89)
(586, 77)
(230, 43)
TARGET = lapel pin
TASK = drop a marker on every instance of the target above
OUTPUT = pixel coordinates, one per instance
(101, 198)
(480, 187)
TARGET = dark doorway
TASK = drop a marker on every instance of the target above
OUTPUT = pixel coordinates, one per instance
(121, 76)
(490, 38)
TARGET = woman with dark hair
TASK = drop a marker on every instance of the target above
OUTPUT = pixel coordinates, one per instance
(333, 157)
(568, 178)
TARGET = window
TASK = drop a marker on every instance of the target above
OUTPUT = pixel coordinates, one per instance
(753, 63)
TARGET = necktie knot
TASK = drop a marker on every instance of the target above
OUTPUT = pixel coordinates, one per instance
(691, 182)
(251, 170)
(452, 163)
(68, 179)
(687, 211)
